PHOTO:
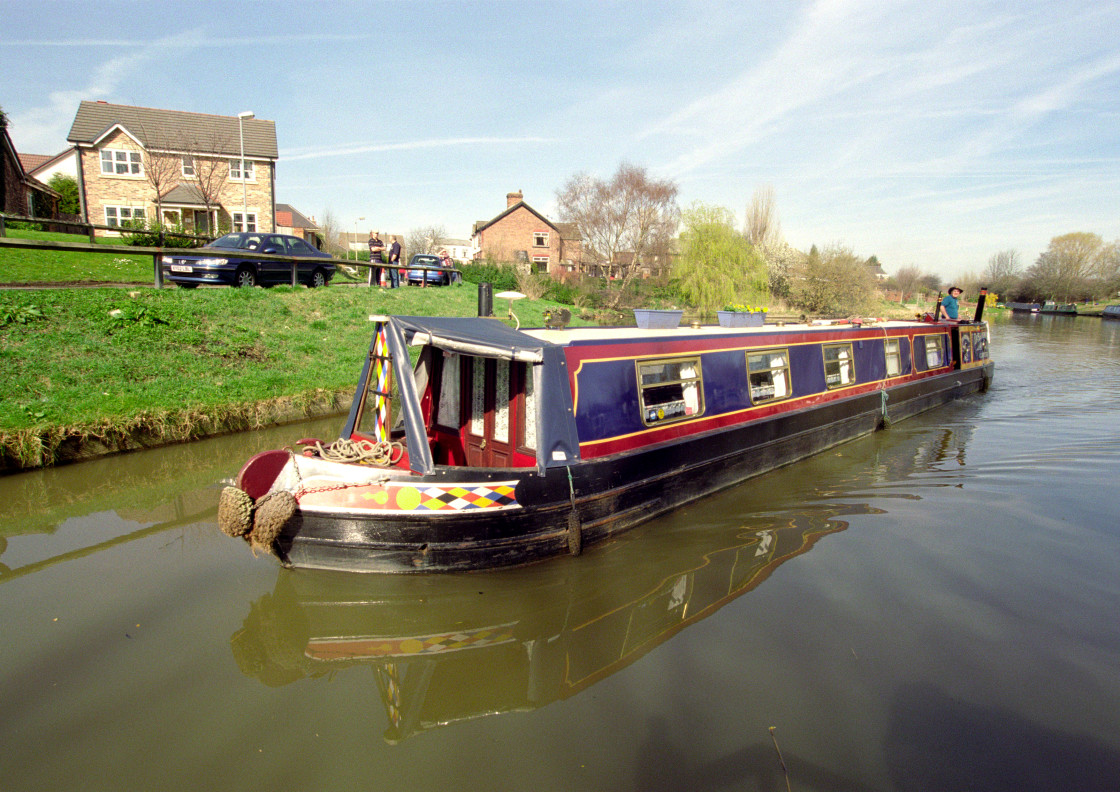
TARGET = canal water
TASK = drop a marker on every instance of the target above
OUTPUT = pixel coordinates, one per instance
(931, 608)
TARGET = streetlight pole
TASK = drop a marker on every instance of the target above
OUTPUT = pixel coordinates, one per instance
(360, 219)
(241, 118)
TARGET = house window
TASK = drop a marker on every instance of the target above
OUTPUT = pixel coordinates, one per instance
(188, 165)
(118, 162)
(246, 222)
(120, 215)
(540, 239)
(894, 357)
(540, 264)
(768, 372)
(839, 365)
(670, 390)
(235, 170)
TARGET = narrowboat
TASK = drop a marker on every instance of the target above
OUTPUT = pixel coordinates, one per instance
(1022, 307)
(1111, 312)
(491, 446)
(1061, 309)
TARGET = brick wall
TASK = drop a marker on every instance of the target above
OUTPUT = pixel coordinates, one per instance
(516, 232)
(134, 191)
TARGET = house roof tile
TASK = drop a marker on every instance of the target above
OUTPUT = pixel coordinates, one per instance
(175, 130)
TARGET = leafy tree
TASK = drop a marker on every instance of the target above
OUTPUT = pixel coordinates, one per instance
(1064, 270)
(833, 282)
(717, 265)
(630, 214)
(67, 187)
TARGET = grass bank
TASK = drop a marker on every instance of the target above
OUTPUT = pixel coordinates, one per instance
(92, 370)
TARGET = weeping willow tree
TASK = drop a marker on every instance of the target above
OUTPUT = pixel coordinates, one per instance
(718, 266)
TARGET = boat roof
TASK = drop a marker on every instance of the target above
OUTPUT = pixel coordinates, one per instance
(490, 337)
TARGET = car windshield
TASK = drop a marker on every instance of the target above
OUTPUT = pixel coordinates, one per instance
(237, 241)
(425, 261)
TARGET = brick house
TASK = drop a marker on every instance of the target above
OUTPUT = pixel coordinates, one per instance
(125, 153)
(290, 220)
(20, 193)
(521, 233)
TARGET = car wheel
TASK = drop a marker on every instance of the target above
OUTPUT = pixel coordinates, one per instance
(245, 277)
(318, 278)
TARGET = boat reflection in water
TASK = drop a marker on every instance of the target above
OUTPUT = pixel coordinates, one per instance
(448, 648)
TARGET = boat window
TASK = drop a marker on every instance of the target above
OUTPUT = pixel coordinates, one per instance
(839, 365)
(980, 345)
(894, 357)
(935, 346)
(671, 390)
(966, 347)
(529, 413)
(448, 413)
(501, 401)
(478, 398)
(768, 372)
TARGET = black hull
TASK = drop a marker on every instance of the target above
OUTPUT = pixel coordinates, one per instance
(599, 498)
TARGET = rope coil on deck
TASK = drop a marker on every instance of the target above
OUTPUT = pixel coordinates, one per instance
(366, 452)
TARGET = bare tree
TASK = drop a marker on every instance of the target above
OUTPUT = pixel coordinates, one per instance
(1003, 271)
(162, 169)
(332, 233)
(762, 228)
(631, 214)
(210, 169)
(908, 280)
(425, 239)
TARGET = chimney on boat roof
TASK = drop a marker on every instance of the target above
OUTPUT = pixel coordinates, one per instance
(513, 198)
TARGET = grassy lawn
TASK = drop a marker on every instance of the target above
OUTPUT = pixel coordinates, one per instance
(51, 266)
(97, 360)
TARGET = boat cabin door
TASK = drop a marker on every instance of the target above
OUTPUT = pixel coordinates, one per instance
(489, 432)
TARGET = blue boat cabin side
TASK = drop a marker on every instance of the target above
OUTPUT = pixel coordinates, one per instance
(630, 389)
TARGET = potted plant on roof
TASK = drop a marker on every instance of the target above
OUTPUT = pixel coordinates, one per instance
(738, 315)
(655, 319)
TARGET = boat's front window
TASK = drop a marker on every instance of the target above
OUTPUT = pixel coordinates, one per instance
(671, 390)
(501, 407)
(448, 413)
(839, 366)
(769, 375)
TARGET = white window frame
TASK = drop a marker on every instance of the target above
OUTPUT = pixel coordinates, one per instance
(770, 379)
(540, 264)
(540, 239)
(892, 353)
(235, 170)
(653, 384)
(131, 161)
(238, 225)
(115, 216)
(839, 365)
(188, 166)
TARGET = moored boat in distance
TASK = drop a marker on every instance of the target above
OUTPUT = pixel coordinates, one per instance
(502, 446)
(1021, 307)
(1063, 309)
(1111, 312)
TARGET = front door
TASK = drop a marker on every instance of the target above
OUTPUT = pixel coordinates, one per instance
(490, 412)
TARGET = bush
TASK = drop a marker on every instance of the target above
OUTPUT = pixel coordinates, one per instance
(155, 234)
(502, 276)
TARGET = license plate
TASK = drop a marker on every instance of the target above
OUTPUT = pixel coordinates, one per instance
(181, 268)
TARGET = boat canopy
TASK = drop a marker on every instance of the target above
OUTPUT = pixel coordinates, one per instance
(558, 444)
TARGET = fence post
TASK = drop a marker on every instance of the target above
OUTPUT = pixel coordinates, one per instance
(3, 228)
(157, 260)
(295, 282)
(91, 234)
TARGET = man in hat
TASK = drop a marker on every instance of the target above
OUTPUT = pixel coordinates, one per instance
(950, 305)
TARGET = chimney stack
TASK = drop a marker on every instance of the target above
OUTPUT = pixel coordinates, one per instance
(513, 198)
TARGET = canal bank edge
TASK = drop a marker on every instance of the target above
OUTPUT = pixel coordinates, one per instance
(39, 447)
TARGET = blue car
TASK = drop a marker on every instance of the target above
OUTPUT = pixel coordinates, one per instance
(439, 277)
(229, 260)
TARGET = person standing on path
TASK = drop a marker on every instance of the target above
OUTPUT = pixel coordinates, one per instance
(394, 264)
(376, 256)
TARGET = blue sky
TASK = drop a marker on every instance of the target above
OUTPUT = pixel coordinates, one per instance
(927, 133)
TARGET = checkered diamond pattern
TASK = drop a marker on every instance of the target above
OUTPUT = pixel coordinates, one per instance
(469, 497)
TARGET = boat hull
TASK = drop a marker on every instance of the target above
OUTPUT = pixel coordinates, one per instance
(566, 508)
